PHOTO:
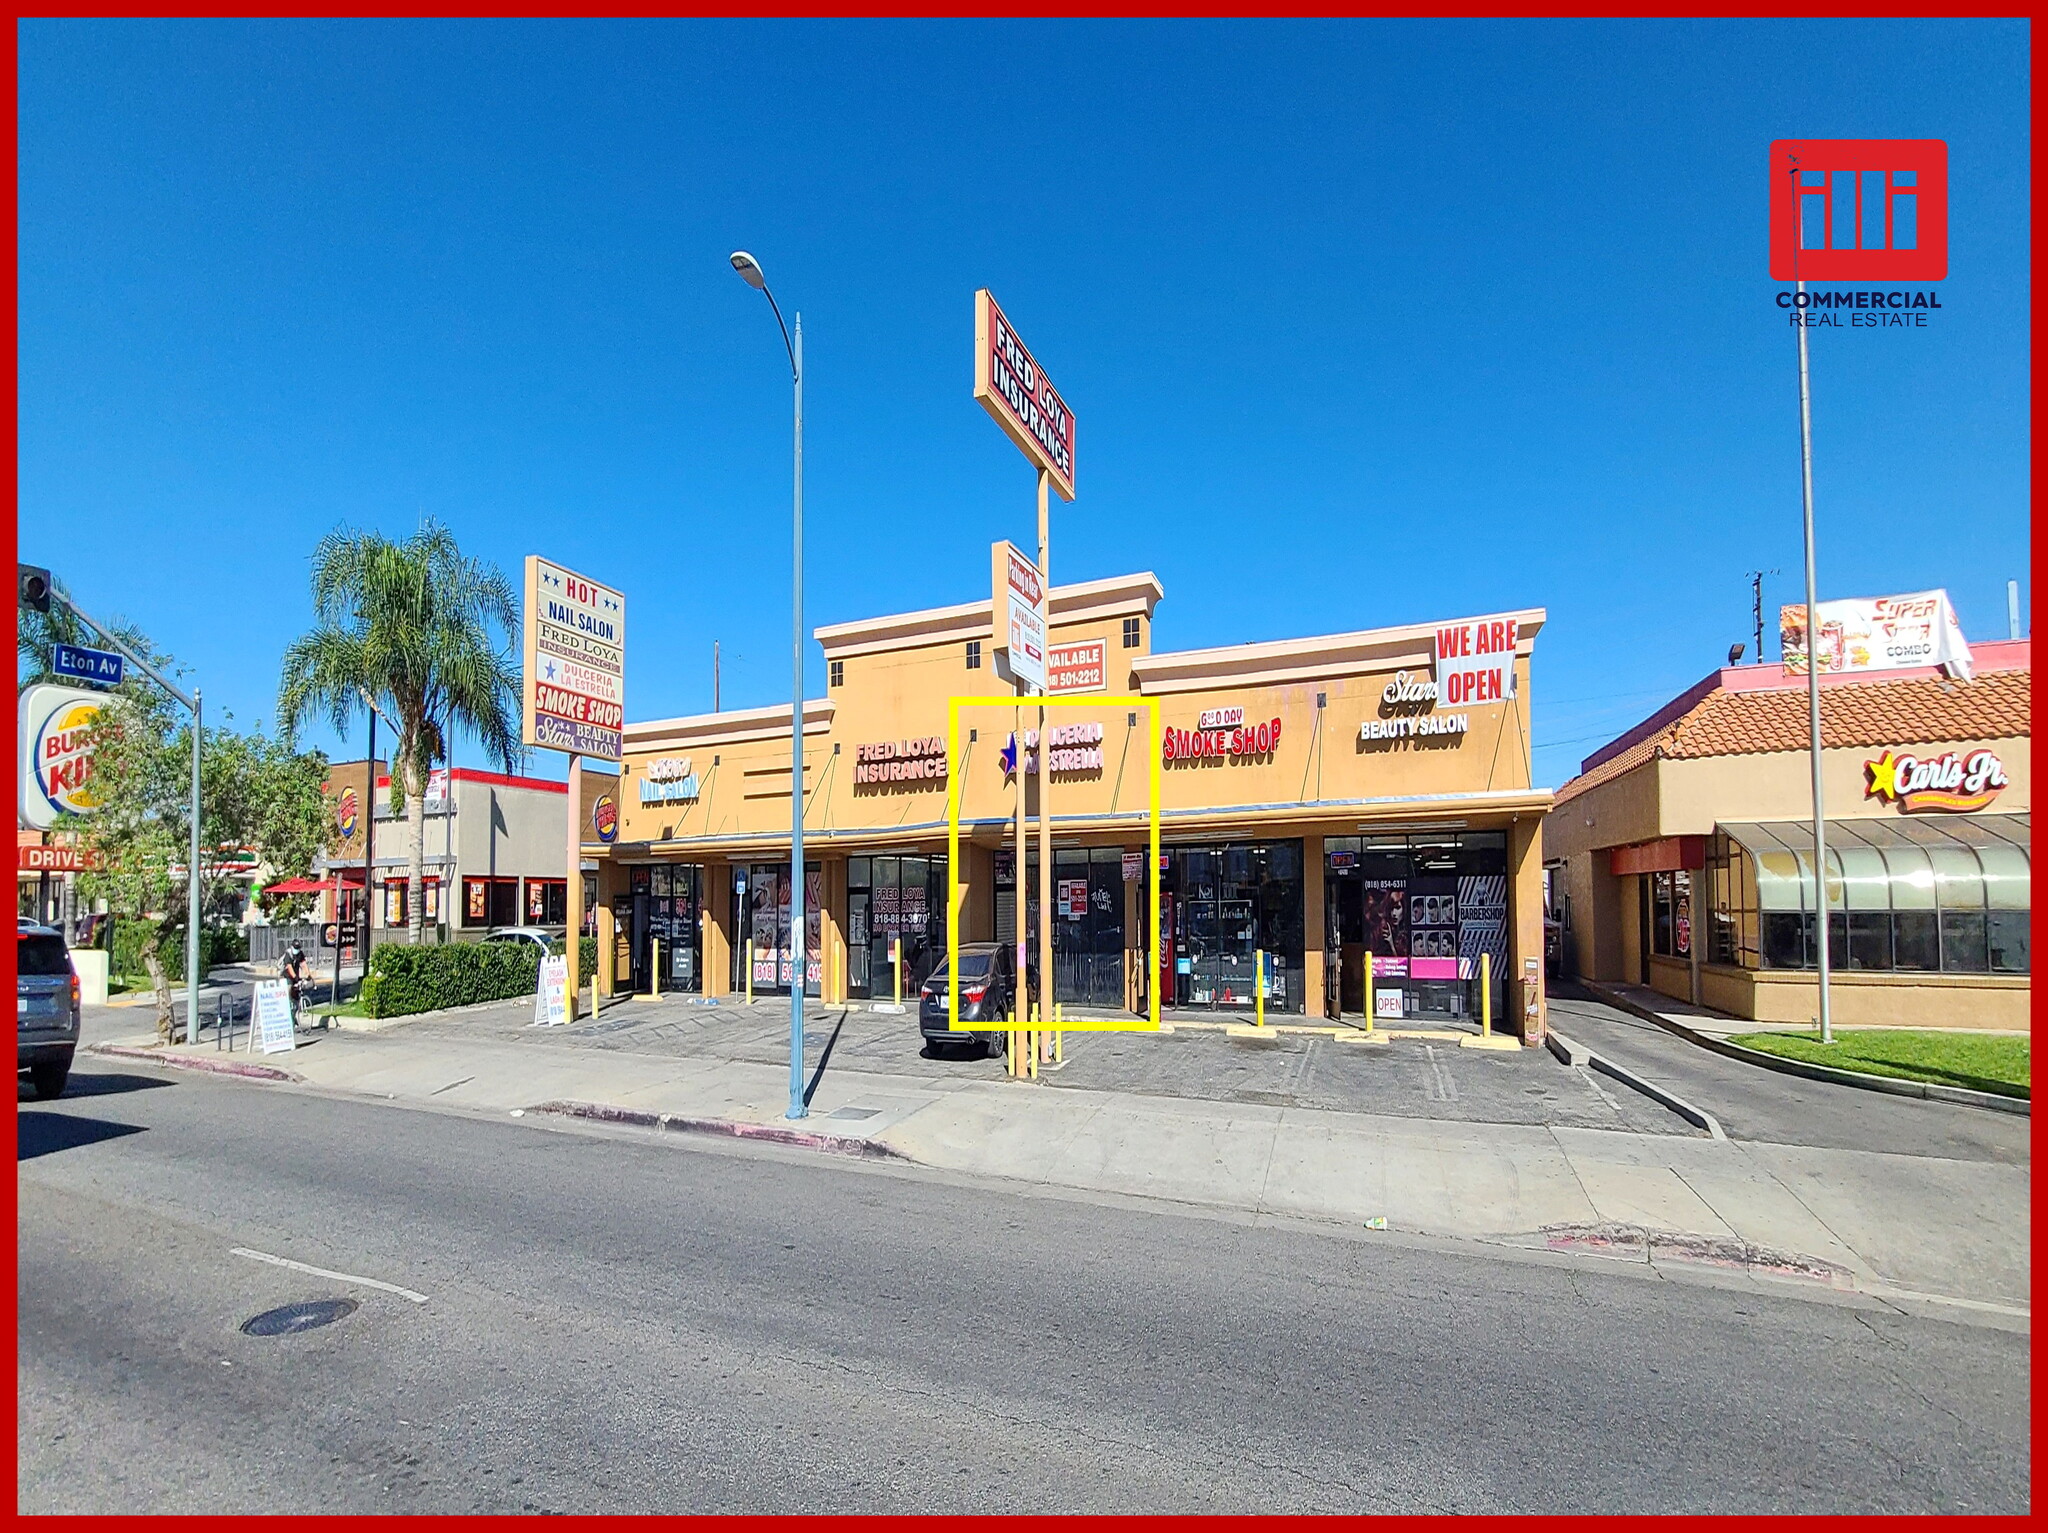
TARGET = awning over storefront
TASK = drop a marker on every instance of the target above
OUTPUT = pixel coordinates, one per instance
(1666, 855)
(1966, 862)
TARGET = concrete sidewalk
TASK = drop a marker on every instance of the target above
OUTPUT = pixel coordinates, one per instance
(1911, 1229)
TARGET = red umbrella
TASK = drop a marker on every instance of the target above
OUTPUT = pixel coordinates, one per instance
(311, 885)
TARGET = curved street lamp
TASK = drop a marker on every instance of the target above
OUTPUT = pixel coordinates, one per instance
(751, 273)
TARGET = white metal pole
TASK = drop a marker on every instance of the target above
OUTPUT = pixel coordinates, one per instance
(1820, 845)
(797, 932)
(192, 891)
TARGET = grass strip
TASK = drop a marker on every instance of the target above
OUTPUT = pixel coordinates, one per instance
(1974, 1061)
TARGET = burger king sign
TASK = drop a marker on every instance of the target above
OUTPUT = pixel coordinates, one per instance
(56, 764)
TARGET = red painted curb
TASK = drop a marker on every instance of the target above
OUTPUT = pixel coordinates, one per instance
(189, 1062)
(831, 1144)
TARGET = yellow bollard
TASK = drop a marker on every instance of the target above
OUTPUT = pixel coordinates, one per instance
(1486, 995)
(750, 971)
(1059, 1037)
(1258, 987)
(1368, 995)
(896, 961)
(653, 967)
(1031, 1040)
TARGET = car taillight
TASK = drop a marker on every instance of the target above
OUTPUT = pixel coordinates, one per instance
(975, 992)
(74, 992)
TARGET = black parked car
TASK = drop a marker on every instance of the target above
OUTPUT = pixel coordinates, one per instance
(988, 985)
(46, 1008)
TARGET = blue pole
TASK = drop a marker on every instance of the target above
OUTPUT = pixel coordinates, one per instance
(798, 929)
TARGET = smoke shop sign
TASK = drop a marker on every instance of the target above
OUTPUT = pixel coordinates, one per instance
(1220, 733)
(893, 761)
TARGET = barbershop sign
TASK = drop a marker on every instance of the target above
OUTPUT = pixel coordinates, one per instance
(1220, 732)
(1954, 781)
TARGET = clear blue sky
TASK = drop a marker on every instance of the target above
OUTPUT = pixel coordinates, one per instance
(1361, 323)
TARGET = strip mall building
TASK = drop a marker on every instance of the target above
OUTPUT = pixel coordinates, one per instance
(1318, 802)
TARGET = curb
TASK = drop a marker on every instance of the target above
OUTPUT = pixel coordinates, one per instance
(1578, 1054)
(192, 1062)
(1891, 1085)
(669, 1123)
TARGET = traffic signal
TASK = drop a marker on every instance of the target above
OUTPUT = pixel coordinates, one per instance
(35, 588)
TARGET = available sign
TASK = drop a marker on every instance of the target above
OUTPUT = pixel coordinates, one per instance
(1953, 781)
(1073, 900)
(574, 690)
(1475, 661)
(52, 725)
(1012, 387)
(1020, 612)
(1082, 667)
(1134, 866)
(1884, 633)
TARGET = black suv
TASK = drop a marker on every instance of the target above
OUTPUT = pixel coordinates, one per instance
(988, 987)
(46, 1008)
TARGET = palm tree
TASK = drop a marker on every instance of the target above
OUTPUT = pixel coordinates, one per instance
(413, 628)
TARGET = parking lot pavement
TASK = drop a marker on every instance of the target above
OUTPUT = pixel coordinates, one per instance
(1754, 1103)
(1409, 1078)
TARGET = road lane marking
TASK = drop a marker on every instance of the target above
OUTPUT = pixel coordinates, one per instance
(339, 1277)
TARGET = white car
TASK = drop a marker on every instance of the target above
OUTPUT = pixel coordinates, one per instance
(535, 935)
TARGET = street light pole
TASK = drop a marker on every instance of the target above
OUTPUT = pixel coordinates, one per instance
(751, 273)
(192, 854)
(1820, 845)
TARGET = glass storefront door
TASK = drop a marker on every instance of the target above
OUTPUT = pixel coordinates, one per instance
(899, 896)
(762, 922)
(662, 916)
(1220, 906)
(1421, 910)
(1088, 926)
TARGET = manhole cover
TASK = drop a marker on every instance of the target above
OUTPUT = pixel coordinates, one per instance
(290, 1319)
(853, 1112)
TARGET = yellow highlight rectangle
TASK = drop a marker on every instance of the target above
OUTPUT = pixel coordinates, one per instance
(955, 895)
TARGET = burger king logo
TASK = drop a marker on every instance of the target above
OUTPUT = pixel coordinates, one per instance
(346, 813)
(64, 760)
(605, 816)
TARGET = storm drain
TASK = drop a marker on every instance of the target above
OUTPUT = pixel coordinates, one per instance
(290, 1319)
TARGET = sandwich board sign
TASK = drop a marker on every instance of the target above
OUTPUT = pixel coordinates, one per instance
(272, 1032)
(551, 996)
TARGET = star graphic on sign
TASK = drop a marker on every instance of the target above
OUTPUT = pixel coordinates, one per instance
(548, 671)
(1883, 777)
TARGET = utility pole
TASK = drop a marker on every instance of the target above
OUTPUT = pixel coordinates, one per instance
(1756, 602)
(2012, 609)
(1820, 845)
(714, 676)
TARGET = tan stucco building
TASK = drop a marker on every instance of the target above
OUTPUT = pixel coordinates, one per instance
(1316, 803)
(1683, 850)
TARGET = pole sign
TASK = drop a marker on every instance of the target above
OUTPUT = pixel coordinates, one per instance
(101, 667)
(1020, 603)
(574, 691)
(51, 729)
(1013, 388)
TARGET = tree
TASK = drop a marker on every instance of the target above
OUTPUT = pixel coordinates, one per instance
(414, 628)
(254, 792)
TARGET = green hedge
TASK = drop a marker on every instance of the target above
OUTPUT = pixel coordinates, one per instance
(405, 980)
(217, 945)
(586, 956)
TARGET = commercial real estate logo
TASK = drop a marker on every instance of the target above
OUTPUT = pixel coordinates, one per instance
(1859, 210)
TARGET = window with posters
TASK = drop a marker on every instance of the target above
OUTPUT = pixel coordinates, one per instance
(761, 902)
(490, 902)
(1422, 910)
(1671, 914)
(547, 901)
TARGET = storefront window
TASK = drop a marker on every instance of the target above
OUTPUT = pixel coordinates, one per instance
(1671, 913)
(490, 902)
(547, 901)
(1421, 912)
(900, 897)
(1919, 898)
(1220, 907)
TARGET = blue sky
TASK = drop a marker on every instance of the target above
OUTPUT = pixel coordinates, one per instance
(1361, 324)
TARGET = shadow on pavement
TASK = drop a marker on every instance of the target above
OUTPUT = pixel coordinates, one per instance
(94, 1084)
(45, 1133)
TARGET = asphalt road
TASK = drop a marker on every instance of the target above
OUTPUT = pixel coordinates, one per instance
(614, 1323)
(1756, 1103)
